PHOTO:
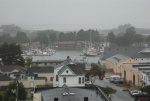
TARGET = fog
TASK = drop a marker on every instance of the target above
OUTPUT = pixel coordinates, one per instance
(75, 14)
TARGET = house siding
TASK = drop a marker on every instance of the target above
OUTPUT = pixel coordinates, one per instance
(48, 76)
(129, 75)
(117, 68)
(71, 81)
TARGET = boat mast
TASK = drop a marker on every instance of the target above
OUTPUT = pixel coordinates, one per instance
(90, 39)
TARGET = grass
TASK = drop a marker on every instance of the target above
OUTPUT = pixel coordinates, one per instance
(2, 94)
(29, 98)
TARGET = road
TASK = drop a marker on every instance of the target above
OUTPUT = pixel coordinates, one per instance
(120, 95)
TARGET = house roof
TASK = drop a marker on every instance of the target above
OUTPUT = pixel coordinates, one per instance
(66, 62)
(49, 69)
(125, 50)
(10, 68)
(117, 58)
(142, 55)
(79, 93)
(139, 66)
(17, 73)
(78, 68)
(5, 78)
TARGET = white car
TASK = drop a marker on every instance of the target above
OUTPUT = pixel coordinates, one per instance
(114, 77)
(135, 92)
(88, 82)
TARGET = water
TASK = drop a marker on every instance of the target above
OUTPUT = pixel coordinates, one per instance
(62, 55)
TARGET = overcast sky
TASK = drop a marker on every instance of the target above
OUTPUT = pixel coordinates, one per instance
(75, 14)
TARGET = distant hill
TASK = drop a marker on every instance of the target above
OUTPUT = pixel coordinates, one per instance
(122, 29)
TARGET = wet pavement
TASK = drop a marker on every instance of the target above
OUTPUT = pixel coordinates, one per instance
(120, 95)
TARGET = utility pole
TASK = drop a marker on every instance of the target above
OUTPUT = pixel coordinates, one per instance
(17, 90)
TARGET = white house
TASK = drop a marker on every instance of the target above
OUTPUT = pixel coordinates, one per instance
(146, 78)
(69, 73)
(143, 56)
(13, 71)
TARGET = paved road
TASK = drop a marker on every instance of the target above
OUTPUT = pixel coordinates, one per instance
(120, 95)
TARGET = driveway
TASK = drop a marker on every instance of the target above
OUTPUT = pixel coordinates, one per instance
(120, 95)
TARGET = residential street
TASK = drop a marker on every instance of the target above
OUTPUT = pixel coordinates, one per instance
(120, 95)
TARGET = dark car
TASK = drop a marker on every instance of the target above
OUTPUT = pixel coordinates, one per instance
(119, 81)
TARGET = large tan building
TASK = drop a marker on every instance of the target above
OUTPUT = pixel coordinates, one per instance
(115, 62)
(131, 72)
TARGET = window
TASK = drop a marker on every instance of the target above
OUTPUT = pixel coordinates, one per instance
(51, 78)
(82, 80)
(56, 77)
(55, 99)
(66, 71)
(85, 98)
(149, 78)
(64, 79)
(79, 80)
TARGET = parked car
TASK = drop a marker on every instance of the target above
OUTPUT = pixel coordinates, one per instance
(119, 81)
(135, 92)
(114, 77)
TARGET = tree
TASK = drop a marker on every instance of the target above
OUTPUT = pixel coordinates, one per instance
(148, 38)
(94, 72)
(42, 38)
(111, 37)
(12, 29)
(128, 38)
(11, 54)
(21, 37)
(52, 37)
(146, 89)
(12, 90)
(61, 37)
(28, 62)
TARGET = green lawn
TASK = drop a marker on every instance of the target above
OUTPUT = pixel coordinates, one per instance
(2, 94)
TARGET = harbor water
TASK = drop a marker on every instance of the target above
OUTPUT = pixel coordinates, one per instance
(62, 55)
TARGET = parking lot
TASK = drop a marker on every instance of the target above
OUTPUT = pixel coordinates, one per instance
(120, 95)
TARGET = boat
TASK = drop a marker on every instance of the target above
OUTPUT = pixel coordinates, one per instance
(91, 52)
(39, 52)
(89, 49)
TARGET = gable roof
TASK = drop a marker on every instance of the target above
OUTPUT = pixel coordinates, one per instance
(66, 62)
(41, 70)
(5, 78)
(78, 68)
(9, 68)
(125, 50)
(117, 58)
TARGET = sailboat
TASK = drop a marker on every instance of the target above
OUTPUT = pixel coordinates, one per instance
(90, 50)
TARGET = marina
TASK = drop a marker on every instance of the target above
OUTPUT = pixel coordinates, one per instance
(61, 55)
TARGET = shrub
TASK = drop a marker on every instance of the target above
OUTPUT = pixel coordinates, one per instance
(11, 99)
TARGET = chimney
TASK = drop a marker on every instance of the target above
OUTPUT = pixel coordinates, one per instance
(68, 57)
